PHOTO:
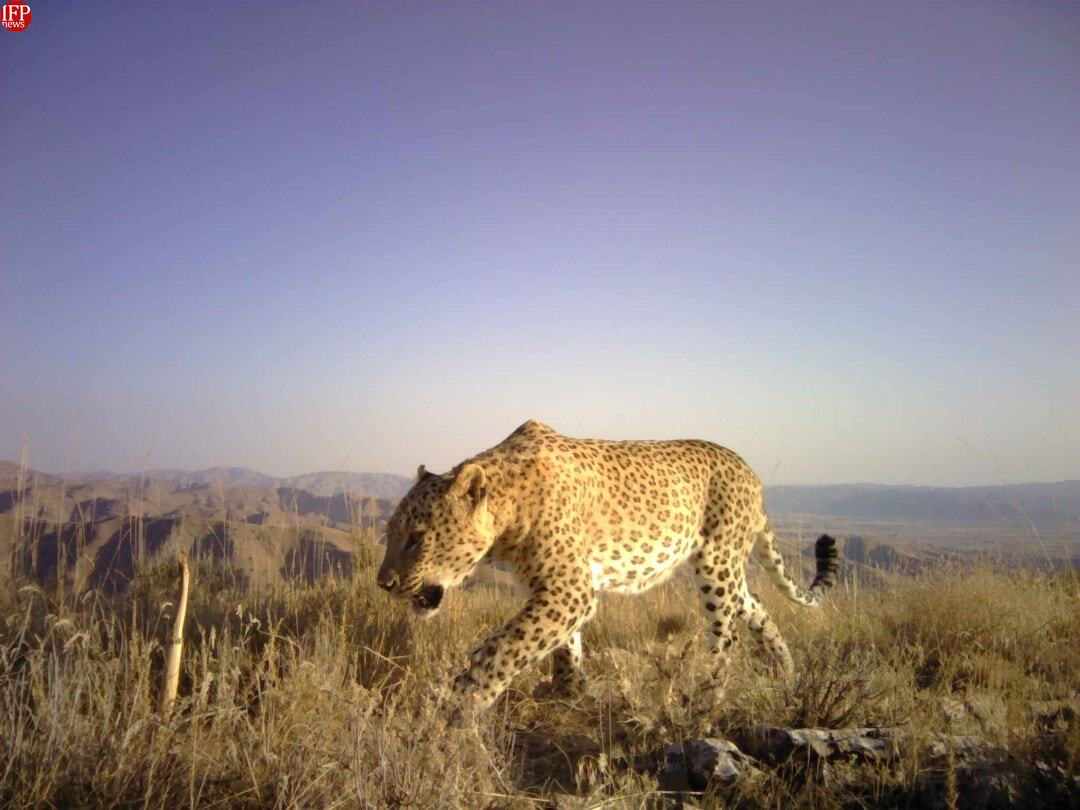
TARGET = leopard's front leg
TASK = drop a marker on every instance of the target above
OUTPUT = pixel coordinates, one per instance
(551, 616)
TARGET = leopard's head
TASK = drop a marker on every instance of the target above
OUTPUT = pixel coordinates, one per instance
(439, 532)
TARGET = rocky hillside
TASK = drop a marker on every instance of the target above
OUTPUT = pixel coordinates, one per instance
(92, 531)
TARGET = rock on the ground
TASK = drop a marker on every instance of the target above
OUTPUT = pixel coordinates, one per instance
(976, 713)
(967, 750)
(776, 743)
(1054, 715)
(695, 763)
(985, 773)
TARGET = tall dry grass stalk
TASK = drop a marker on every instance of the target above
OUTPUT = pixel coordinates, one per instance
(174, 649)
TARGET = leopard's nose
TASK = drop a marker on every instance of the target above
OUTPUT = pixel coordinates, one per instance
(388, 580)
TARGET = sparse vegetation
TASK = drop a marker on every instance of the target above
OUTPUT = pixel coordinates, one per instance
(320, 695)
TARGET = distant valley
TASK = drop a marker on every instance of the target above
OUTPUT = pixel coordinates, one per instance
(1054, 505)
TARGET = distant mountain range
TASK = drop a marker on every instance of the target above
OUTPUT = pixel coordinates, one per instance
(97, 529)
(324, 484)
(93, 529)
(1054, 504)
(1043, 505)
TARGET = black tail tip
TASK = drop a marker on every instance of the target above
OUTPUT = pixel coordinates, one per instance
(825, 548)
(826, 554)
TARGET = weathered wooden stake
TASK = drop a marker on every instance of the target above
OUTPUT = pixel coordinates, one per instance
(175, 646)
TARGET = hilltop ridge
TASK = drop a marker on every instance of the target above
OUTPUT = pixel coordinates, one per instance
(324, 483)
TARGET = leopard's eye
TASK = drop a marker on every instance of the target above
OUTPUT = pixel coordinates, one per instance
(413, 541)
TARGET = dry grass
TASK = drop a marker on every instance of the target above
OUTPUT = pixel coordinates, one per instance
(319, 697)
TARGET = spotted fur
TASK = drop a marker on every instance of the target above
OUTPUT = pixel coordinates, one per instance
(575, 517)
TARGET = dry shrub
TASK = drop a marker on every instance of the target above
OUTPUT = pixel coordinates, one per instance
(836, 686)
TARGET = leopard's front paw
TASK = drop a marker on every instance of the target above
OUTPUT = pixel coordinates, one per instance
(558, 688)
(458, 716)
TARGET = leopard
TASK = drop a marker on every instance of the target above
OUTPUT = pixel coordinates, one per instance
(572, 518)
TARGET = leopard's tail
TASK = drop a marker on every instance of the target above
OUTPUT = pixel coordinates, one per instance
(825, 554)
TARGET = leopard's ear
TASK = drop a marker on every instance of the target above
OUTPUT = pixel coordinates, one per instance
(421, 471)
(470, 483)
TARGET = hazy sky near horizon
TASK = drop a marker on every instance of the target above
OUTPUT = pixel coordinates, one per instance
(842, 239)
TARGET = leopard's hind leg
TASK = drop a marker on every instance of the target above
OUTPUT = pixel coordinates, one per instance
(720, 579)
(766, 633)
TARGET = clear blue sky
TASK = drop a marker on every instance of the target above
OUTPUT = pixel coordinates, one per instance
(842, 239)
